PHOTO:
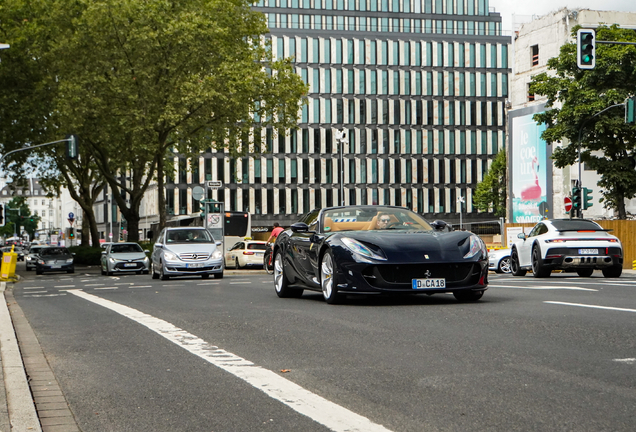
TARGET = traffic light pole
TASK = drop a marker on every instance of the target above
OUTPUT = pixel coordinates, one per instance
(72, 139)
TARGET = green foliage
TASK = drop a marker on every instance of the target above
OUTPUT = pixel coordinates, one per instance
(18, 214)
(608, 145)
(86, 255)
(490, 195)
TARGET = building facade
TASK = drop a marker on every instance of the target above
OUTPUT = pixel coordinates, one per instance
(534, 44)
(417, 87)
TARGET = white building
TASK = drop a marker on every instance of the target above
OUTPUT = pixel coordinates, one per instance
(534, 43)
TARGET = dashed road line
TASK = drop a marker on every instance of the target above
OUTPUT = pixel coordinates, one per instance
(542, 287)
(317, 408)
(64, 286)
(591, 306)
(107, 288)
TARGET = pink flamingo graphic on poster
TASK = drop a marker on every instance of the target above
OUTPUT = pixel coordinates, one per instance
(532, 192)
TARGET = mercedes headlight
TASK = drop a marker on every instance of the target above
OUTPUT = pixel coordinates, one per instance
(170, 256)
(217, 254)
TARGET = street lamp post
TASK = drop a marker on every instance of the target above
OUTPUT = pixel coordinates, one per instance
(341, 139)
(460, 200)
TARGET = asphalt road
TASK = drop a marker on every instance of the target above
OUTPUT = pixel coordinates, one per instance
(135, 354)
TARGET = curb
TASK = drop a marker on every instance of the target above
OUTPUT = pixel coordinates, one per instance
(20, 405)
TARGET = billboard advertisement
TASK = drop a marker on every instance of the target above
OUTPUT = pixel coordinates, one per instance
(529, 170)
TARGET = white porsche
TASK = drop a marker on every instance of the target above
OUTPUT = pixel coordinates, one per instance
(567, 244)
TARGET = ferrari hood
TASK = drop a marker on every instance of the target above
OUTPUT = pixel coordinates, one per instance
(417, 246)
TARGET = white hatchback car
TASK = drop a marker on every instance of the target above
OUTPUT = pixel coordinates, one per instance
(248, 253)
(186, 251)
(567, 244)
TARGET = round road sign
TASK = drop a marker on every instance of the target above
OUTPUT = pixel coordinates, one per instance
(568, 204)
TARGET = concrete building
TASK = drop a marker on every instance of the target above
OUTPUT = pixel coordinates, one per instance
(534, 43)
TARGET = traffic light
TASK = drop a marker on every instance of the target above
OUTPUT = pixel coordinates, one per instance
(586, 49)
(630, 110)
(1, 214)
(587, 198)
(71, 147)
(71, 233)
(576, 200)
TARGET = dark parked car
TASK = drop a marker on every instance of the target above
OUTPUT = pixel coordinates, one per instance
(54, 259)
(377, 250)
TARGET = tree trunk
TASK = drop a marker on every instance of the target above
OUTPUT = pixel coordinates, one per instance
(161, 197)
(86, 230)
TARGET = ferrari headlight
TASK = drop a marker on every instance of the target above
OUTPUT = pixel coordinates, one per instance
(217, 254)
(476, 246)
(360, 249)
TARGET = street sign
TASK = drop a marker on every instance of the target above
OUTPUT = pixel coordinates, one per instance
(215, 184)
(568, 204)
(71, 215)
(197, 193)
(70, 221)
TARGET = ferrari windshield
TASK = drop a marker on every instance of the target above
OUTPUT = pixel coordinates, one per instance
(367, 218)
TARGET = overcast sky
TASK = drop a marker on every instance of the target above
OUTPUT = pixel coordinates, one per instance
(524, 10)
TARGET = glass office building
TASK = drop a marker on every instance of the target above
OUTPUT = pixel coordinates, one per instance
(418, 86)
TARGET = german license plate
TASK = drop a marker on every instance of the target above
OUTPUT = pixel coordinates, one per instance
(130, 265)
(194, 265)
(588, 251)
(56, 266)
(429, 283)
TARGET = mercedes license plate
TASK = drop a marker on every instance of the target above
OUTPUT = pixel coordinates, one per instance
(588, 251)
(429, 283)
(194, 265)
(56, 266)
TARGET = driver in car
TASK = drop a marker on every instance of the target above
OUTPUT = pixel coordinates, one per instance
(383, 221)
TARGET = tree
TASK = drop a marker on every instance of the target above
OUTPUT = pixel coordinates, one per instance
(150, 77)
(608, 145)
(139, 79)
(17, 214)
(491, 193)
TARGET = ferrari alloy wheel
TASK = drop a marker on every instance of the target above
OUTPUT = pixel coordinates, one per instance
(538, 269)
(468, 296)
(504, 265)
(515, 267)
(152, 271)
(328, 281)
(613, 272)
(281, 283)
(585, 272)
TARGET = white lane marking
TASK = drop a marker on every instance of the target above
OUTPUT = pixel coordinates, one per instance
(591, 306)
(239, 283)
(37, 292)
(626, 360)
(172, 285)
(140, 286)
(208, 283)
(45, 295)
(107, 288)
(29, 288)
(317, 408)
(92, 285)
(64, 286)
(541, 288)
(124, 283)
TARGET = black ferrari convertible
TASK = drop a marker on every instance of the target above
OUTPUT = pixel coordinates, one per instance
(377, 250)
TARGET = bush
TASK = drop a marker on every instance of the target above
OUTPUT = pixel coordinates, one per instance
(86, 255)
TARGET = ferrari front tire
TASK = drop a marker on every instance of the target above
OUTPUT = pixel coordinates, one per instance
(281, 283)
(329, 279)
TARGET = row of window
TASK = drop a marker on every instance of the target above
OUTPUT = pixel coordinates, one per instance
(400, 112)
(405, 83)
(448, 7)
(299, 201)
(382, 24)
(391, 53)
(250, 171)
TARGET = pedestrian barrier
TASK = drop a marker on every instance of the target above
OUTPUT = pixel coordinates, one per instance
(9, 261)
